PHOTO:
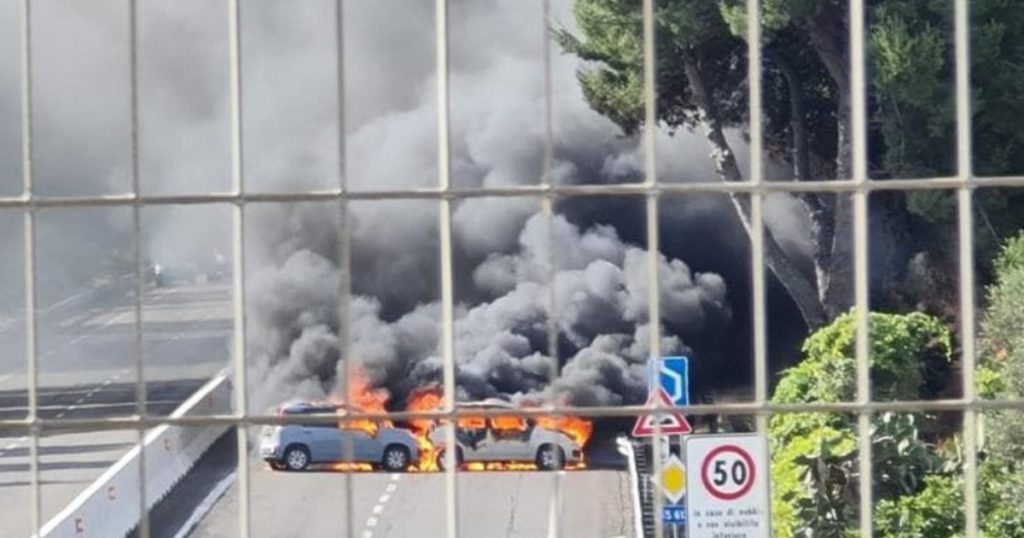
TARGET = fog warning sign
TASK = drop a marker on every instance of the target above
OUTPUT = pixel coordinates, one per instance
(729, 496)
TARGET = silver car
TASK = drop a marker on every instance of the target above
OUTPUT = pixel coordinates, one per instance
(295, 446)
(505, 439)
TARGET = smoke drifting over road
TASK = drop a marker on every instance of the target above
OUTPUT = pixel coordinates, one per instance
(601, 314)
(291, 135)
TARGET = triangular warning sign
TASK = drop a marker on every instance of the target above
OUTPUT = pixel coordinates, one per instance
(672, 421)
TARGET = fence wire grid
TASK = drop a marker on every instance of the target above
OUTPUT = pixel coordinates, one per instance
(445, 194)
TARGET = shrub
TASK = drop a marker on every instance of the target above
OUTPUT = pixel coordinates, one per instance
(1002, 350)
(814, 454)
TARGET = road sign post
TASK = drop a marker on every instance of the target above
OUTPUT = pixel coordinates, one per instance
(727, 493)
(668, 389)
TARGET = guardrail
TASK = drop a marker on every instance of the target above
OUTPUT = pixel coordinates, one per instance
(109, 507)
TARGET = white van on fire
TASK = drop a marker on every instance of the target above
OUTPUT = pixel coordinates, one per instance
(506, 439)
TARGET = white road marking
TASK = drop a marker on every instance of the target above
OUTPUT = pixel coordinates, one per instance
(73, 407)
(11, 446)
(379, 507)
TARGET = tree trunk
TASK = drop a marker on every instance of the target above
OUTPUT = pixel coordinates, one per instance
(820, 211)
(828, 33)
(801, 289)
(797, 115)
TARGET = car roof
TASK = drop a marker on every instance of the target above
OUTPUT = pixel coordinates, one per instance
(488, 403)
(306, 408)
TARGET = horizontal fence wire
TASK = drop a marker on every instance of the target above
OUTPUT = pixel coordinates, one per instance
(697, 410)
(537, 191)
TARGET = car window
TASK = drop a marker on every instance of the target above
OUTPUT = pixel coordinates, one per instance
(471, 431)
(471, 423)
(509, 428)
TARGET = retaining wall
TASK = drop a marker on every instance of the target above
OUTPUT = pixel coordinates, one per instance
(109, 507)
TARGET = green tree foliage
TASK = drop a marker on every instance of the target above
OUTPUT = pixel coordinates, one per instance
(806, 112)
(614, 84)
(814, 454)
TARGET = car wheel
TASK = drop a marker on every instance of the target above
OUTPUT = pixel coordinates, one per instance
(550, 458)
(296, 458)
(441, 458)
(396, 458)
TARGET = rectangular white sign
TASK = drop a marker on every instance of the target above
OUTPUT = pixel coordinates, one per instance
(727, 486)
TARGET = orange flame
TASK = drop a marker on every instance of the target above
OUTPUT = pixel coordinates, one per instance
(511, 423)
(579, 429)
(351, 467)
(364, 399)
(423, 400)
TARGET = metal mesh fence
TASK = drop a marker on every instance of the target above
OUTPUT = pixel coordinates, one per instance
(860, 186)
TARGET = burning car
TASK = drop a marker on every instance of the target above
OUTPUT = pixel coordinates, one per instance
(544, 442)
(295, 446)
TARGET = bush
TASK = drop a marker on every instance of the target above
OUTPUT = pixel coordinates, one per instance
(936, 511)
(907, 350)
(1002, 351)
(814, 454)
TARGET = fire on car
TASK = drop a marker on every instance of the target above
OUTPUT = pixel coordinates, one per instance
(355, 444)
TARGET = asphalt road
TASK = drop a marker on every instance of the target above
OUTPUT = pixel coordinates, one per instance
(594, 504)
(86, 369)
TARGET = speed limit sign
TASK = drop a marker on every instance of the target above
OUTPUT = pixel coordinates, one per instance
(729, 496)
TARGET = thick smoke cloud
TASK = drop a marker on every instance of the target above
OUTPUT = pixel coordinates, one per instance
(600, 297)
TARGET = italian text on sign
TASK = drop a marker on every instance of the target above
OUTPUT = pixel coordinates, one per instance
(727, 493)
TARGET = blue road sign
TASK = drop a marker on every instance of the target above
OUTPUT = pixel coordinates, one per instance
(673, 515)
(673, 375)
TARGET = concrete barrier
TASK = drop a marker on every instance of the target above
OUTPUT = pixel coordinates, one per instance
(109, 507)
(627, 449)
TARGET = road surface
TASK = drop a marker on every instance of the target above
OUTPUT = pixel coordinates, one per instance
(595, 504)
(86, 369)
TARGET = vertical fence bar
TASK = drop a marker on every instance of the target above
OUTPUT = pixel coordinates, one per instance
(140, 374)
(754, 62)
(344, 254)
(968, 358)
(447, 273)
(238, 262)
(29, 252)
(858, 106)
(551, 269)
(653, 239)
